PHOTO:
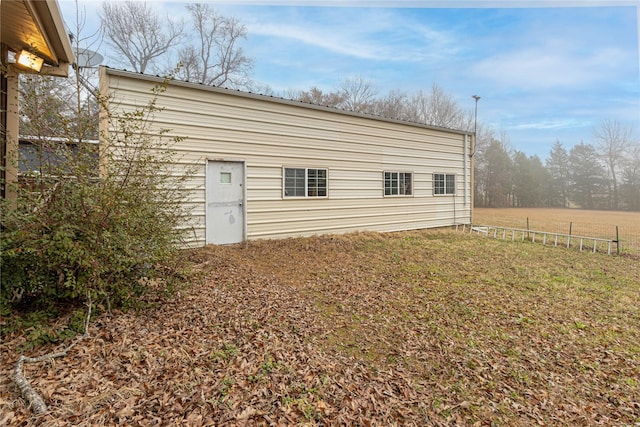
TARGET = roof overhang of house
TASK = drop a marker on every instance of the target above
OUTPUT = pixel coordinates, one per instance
(34, 26)
(37, 26)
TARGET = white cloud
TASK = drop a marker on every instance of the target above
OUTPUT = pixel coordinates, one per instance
(332, 42)
(369, 34)
(548, 124)
(549, 67)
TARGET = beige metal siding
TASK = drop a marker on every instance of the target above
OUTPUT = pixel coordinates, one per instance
(269, 134)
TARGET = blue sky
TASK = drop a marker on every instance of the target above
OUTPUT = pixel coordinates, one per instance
(546, 70)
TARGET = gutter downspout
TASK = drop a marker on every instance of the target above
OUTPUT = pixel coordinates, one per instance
(466, 166)
(472, 150)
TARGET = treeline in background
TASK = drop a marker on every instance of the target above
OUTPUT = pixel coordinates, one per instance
(601, 176)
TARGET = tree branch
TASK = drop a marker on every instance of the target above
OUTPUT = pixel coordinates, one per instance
(35, 400)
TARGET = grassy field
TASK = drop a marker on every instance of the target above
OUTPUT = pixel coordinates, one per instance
(588, 223)
(413, 328)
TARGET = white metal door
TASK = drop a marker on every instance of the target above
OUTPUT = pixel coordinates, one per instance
(225, 202)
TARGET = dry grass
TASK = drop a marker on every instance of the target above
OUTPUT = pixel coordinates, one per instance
(601, 224)
(414, 328)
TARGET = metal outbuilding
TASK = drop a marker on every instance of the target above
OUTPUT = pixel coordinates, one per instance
(273, 168)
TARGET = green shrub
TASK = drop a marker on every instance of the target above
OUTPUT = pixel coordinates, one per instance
(77, 234)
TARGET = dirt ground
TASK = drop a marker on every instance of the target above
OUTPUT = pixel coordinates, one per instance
(416, 328)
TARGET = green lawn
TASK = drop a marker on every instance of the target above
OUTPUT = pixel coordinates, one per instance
(411, 328)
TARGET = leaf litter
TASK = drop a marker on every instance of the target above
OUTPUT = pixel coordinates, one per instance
(412, 328)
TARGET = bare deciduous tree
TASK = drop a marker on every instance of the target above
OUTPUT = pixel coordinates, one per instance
(614, 140)
(417, 107)
(214, 56)
(318, 97)
(437, 108)
(358, 94)
(630, 186)
(392, 106)
(135, 30)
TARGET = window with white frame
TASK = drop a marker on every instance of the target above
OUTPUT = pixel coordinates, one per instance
(305, 182)
(444, 184)
(398, 183)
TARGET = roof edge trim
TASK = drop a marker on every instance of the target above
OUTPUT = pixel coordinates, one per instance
(267, 98)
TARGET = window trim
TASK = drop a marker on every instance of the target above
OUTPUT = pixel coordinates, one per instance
(306, 182)
(445, 177)
(398, 173)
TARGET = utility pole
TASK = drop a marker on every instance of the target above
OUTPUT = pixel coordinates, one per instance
(473, 152)
(475, 121)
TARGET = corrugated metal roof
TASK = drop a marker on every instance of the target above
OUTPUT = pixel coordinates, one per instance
(279, 100)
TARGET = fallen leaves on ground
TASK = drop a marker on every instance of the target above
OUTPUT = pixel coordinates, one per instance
(413, 328)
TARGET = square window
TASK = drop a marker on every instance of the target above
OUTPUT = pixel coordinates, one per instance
(444, 184)
(450, 184)
(398, 184)
(316, 182)
(225, 177)
(302, 182)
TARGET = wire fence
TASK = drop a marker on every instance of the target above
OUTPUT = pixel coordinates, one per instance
(620, 227)
(592, 244)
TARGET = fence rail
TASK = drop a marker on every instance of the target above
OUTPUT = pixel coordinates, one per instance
(620, 226)
(594, 244)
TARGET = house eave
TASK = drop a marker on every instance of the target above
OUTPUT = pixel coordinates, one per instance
(37, 26)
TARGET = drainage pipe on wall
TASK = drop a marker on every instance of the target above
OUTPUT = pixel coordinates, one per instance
(465, 156)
